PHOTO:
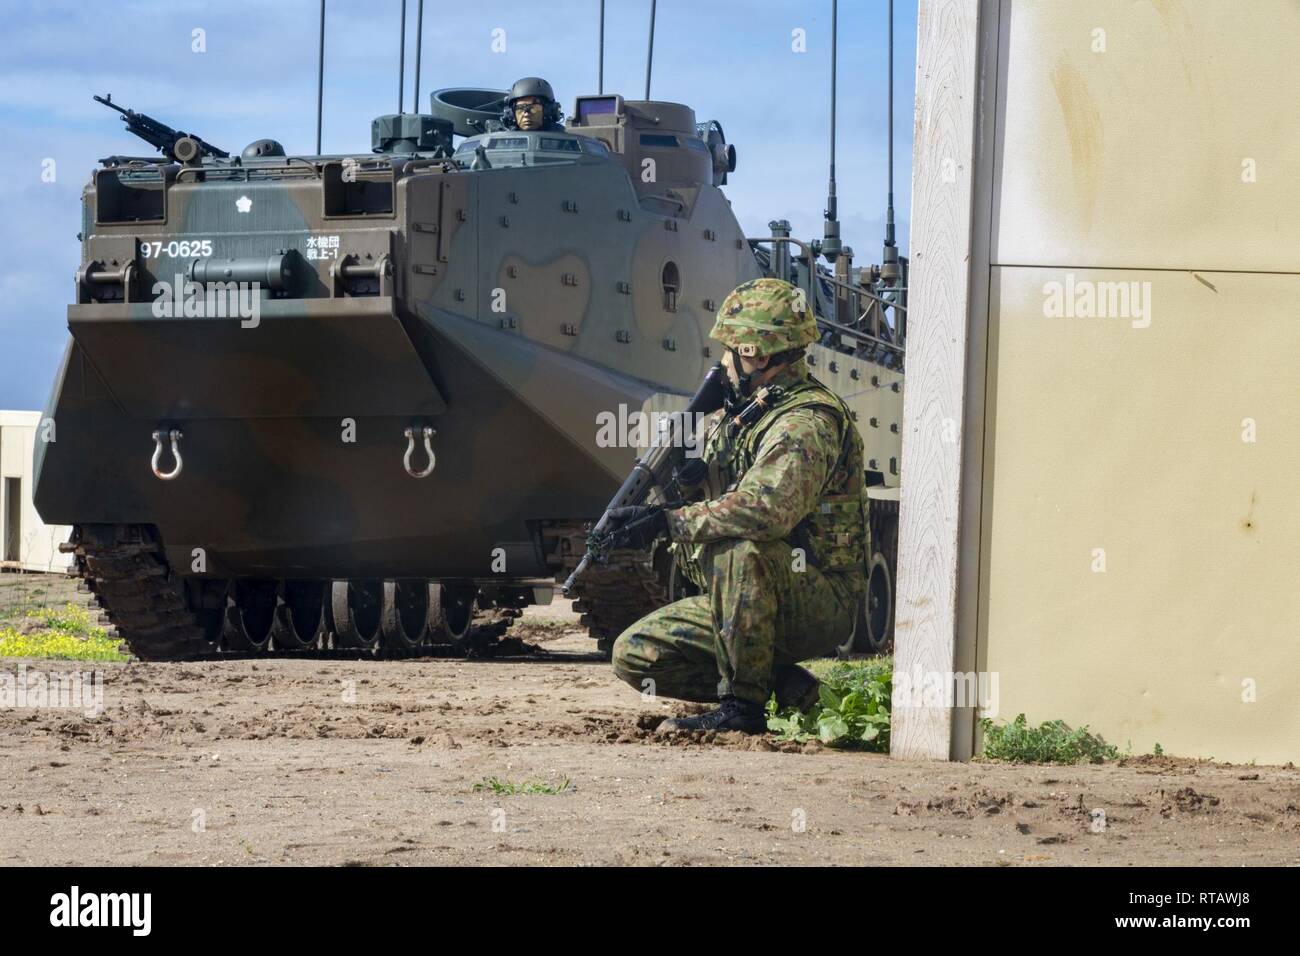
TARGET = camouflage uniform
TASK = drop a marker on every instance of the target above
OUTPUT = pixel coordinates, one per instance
(778, 546)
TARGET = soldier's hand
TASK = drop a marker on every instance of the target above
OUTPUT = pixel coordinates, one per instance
(637, 526)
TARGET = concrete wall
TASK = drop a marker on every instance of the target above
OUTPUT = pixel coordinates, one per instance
(37, 544)
(1139, 537)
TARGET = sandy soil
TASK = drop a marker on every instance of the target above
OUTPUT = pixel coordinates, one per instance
(338, 762)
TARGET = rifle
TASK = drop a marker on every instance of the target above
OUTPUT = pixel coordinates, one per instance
(653, 470)
(175, 145)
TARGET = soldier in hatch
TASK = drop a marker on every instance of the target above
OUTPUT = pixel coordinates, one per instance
(778, 544)
(531, 106)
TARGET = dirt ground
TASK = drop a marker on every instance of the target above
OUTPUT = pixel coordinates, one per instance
(364, 762)
(22, 592)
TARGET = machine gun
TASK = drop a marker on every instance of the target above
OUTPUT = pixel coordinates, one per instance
(174, 144)
(654, 469)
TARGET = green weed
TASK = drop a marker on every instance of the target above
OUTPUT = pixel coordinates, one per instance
(505, 788)
(853, 709)
(1052, 741)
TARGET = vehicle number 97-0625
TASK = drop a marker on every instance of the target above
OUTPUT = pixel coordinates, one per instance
(176, 249)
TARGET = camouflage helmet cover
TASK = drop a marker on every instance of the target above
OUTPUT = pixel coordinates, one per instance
(763, 317)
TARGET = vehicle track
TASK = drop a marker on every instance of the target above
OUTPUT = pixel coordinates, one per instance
(125, 569)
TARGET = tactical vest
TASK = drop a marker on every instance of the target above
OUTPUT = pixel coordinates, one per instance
(835, 534)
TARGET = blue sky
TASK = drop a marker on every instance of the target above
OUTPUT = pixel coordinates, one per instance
(730, 60)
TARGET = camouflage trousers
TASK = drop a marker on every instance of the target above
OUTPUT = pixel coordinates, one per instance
(758, 614)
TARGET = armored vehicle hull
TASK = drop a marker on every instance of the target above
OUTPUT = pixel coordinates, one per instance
(352, 401)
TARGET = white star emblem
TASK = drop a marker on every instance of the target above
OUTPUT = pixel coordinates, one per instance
(243, 204)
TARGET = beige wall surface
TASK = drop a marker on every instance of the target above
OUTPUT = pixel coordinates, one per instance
(1139, 545)
(1178, 147)
(1142, 547)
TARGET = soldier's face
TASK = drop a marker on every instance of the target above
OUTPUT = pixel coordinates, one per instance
(528, 113)
(739, 365)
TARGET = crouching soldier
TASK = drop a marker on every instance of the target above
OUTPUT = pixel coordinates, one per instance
(777, 544)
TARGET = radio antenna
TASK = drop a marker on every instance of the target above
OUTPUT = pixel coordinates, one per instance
(600, 67)
(650, 54)
(889, 262)
(830, 246)
(401, 61)
(419, 39)
(320, 76)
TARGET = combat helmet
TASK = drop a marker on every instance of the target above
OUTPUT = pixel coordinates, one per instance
(764, 317)
(538, 87)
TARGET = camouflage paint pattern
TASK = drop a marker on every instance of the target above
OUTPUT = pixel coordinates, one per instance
(765, 316)
(758, 614)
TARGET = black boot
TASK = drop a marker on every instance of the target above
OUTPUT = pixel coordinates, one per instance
(795, 687)
(732, 714)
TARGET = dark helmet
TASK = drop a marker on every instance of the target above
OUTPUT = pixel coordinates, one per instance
(534, 86)
(531, 86)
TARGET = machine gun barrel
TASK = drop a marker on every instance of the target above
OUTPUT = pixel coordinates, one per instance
(176, 145)
(655, 468)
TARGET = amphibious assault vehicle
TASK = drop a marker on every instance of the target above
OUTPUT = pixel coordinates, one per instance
(318, 402)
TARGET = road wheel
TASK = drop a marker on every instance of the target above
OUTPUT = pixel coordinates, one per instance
(405, 614)
(250, 612)
(873, 632)
(356, 609)
(451, 615)
(299, 616)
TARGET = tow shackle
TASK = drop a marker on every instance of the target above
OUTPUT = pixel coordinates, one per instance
(174, 435)
(427, 432)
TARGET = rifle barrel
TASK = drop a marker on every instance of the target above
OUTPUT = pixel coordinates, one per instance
(111, 105)
(572, 579)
